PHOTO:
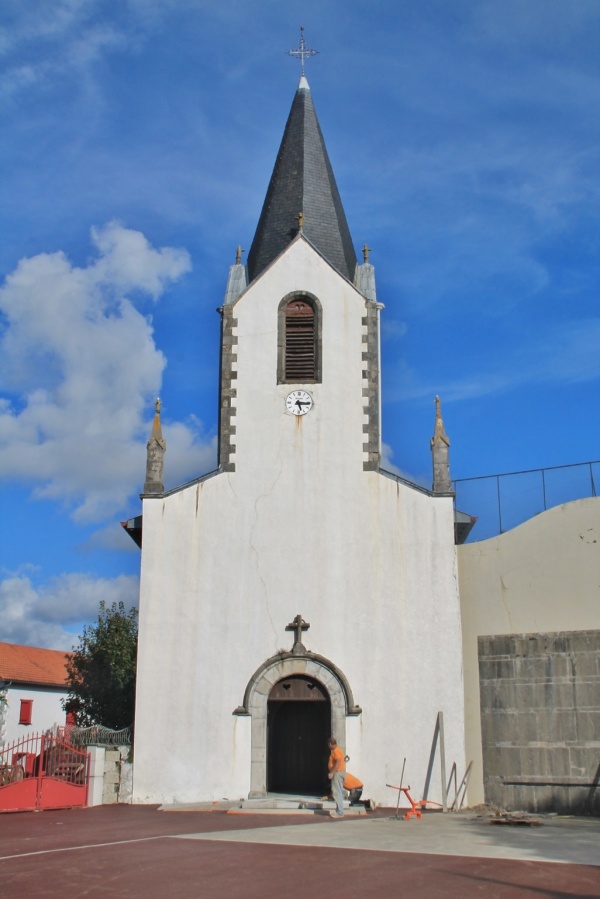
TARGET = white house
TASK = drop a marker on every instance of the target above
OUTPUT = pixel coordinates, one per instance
(33, 684)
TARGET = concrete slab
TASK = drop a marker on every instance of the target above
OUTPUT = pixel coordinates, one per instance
(573, 841)
(125, 851)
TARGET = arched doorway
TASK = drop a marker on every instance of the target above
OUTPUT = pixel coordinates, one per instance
(298, 725)
(256, 696)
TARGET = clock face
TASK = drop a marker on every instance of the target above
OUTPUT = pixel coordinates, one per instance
(298, 402)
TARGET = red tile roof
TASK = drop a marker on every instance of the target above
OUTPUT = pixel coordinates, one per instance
(32, 665)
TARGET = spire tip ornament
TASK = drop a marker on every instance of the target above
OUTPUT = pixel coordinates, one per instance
(302, 52)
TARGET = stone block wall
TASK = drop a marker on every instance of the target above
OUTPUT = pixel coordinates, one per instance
(111, 775)
(540, 721)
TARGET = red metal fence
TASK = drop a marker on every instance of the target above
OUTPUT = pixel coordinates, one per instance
(43, 771)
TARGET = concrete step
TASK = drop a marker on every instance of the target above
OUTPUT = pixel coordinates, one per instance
(294, 805)
(274, 804)
(354, 812)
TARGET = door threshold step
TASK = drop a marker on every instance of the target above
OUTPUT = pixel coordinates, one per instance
(324, 813)
(270, 805)
(296, 805)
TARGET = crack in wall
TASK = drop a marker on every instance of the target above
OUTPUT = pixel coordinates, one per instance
(254, 551)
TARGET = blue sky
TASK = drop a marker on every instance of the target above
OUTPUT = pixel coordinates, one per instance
(138, 141)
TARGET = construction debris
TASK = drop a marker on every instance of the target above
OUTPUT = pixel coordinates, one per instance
(523, 819)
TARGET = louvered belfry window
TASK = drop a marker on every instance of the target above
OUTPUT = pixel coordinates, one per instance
(300, 342)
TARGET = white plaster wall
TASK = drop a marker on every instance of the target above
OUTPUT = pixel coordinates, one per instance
(541, 577)
(46, 711)
(299, 527)
(96, 778)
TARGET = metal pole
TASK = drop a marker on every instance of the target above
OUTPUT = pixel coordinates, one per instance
(464, 783)
(443, 761)
(399, 790)
(544, 488)
(499, 506)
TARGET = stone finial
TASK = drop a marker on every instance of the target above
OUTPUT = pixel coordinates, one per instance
(440, 454)
(238, 254)
(364, 276)
(300, 220)
(155, 451)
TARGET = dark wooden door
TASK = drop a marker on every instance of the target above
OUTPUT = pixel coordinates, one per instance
(297, 745)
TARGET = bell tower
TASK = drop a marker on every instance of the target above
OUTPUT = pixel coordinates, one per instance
(322, 332)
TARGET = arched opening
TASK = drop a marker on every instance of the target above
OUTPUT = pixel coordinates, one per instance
(299, 339)
(282, 667)
(298, 725)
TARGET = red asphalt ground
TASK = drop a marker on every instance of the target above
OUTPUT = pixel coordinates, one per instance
(128, 851)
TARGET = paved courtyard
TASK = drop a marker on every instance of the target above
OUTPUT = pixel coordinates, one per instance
(131, 851)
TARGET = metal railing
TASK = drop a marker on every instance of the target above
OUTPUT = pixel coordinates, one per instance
(96, 735)
(503, 501)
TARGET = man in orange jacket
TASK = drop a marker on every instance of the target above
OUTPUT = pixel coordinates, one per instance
(354, 787)
(337, 773)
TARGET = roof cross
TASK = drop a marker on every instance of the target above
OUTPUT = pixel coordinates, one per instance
(302, 52)
(298, 625)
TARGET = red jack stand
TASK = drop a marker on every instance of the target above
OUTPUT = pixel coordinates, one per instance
(416, 807)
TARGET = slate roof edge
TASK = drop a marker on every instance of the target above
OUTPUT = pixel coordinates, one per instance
(180, 487)
(282, 253)
(407, 483)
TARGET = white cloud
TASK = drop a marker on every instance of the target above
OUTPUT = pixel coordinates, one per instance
(481, 212)
(392, 329)
(387, 454)
(79, 365)
(561, 355)
(41, 616)
(50, 39)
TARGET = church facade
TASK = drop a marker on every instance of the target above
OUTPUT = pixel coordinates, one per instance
(299, 590)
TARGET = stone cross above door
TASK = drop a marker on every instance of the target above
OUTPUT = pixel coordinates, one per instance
(298, 625)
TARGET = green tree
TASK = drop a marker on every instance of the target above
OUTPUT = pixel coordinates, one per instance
(101, 670)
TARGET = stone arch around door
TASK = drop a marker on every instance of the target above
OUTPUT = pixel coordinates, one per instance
(257, 695)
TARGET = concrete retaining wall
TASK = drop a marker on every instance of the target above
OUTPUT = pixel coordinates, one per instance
(540, 721)
(543, 577)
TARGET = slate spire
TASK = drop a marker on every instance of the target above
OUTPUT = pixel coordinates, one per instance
(302, 182)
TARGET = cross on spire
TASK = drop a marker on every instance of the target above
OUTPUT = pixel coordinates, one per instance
(302, 52)
(298, 625)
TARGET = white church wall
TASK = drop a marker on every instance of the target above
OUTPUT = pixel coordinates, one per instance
(540, 577)
(378, 623)
(299, 527)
